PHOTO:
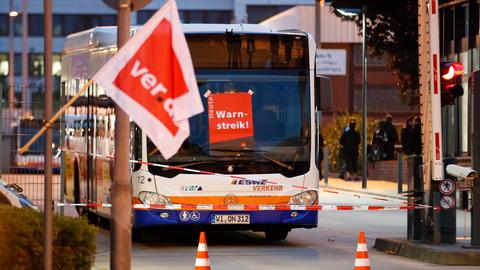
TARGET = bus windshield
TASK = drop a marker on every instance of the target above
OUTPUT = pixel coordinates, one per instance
(278, 142)
(255, 92)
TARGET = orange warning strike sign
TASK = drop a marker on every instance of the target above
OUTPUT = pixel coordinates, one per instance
(230, 116)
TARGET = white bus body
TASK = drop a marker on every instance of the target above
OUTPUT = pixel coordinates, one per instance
(275, 68)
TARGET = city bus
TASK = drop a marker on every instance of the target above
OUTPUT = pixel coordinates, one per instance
(262, 102)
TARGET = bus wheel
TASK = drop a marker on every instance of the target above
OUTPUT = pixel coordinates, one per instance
(76, 189)
(276, 235)
(93, 218)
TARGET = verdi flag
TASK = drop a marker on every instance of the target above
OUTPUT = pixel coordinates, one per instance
(152, 79)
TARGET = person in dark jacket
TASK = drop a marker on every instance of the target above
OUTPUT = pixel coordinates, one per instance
(406, 137)
(379, 142)
(392, 136)
(349, 141)
(416, 139)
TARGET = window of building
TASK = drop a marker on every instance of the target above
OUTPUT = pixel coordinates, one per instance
(18, 64)
(380, 100)
(257, 14)
(474, 14)
(3, 25)
(36, 25)
(36, 63)
(144, 15)
(448, 31)
(192, 16)
(65, 24)
(371, 60)
(3, 64)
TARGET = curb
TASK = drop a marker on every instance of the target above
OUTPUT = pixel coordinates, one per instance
(425, 253)
(365, 192)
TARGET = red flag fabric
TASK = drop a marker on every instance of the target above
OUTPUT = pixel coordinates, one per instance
(152, 79)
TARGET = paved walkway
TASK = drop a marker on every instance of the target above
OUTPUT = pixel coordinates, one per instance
(374, 187)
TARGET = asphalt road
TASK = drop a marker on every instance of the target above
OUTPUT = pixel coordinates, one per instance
(330, 246)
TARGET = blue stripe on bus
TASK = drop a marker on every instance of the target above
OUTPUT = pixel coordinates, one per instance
(147, 218)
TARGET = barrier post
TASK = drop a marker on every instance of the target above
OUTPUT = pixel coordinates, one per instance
(400, 173)
(326, 153)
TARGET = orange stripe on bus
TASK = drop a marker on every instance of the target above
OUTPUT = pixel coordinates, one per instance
(223, 200)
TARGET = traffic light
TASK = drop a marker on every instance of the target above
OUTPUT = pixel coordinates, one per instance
(451, 81)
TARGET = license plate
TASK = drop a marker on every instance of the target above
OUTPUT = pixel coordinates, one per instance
(231, 219)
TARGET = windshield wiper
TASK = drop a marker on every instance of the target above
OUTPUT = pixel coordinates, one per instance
(276, 161)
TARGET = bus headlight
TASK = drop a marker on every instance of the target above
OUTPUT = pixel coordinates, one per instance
(148, 197)
(304, 198)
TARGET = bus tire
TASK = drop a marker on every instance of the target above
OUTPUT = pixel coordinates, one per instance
(93, 218)
(137, 235)
(276, 235)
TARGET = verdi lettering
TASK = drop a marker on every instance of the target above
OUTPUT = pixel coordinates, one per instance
(149, 82)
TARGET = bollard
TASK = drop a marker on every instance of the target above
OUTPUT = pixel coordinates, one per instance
(400, 173)
(326, 153)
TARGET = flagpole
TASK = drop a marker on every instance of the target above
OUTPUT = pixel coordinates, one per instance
(121, 191)
(57, 115)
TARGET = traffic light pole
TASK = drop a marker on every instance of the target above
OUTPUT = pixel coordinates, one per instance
(475, 226)
(364, 99)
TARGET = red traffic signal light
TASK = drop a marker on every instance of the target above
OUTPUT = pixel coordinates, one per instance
(451, 81)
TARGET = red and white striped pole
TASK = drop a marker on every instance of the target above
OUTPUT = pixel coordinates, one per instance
(435, 92)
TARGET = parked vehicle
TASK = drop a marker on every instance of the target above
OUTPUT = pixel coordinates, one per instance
(11, 194)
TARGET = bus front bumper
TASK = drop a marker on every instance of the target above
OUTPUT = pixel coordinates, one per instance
(257, 219)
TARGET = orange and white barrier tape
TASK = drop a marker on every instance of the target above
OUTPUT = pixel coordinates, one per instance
(226, 176)
(169, 167)
(255, 207)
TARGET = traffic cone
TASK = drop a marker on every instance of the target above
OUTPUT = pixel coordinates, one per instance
(202, 262)
(362, 262)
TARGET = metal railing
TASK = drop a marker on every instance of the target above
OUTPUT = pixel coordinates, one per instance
(19, 121)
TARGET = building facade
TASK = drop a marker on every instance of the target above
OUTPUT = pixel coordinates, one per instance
(341, 41)
(73, 16)
(460, 41)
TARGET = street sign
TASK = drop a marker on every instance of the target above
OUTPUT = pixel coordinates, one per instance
(134, 4)
(447, 186)
(331, 62)
(447, 202)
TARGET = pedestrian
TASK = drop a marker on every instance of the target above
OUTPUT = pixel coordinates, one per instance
(341, 156)
(406, 137)
(379, 142)
(349, 142)
(392, 136)
(416, 139)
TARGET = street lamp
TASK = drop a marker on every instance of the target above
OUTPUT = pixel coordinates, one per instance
(351, 12)
(11, 64)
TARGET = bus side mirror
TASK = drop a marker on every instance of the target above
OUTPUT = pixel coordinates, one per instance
(323, 93)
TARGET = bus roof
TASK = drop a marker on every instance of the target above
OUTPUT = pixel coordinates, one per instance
(106, 36)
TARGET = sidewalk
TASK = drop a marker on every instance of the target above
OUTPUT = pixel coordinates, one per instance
(374, 187)
(443, 254)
